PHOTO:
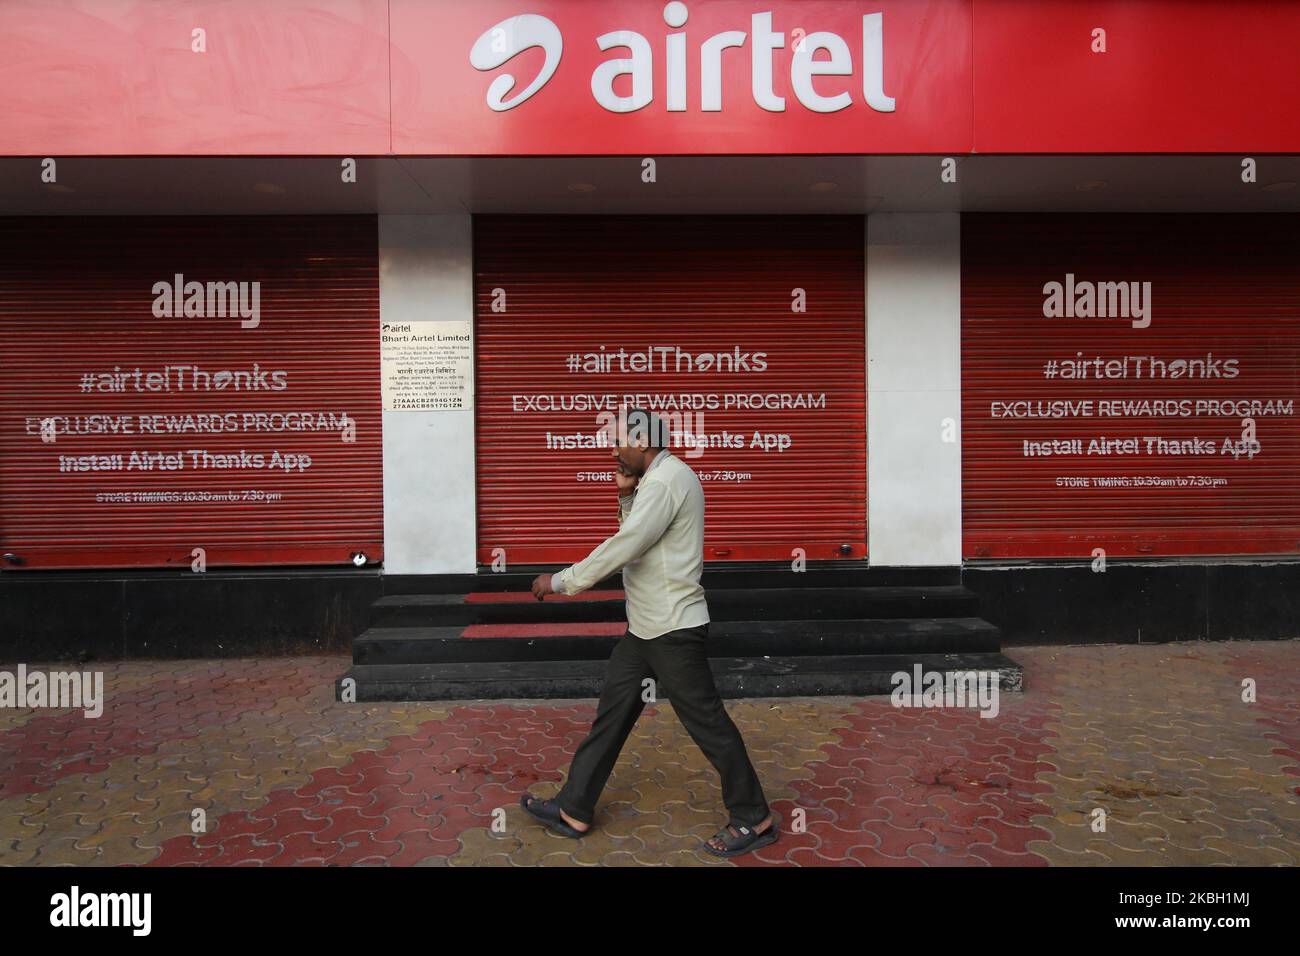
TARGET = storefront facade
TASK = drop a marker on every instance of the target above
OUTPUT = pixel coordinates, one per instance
(912, 286)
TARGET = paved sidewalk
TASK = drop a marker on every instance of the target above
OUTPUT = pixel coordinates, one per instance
(1157, 737)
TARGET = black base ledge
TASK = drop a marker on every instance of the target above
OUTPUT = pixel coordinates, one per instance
(1139, 602)
(167, 614)
(807, 676)
(160, 614)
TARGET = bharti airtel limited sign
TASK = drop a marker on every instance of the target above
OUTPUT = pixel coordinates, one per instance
(501, 43)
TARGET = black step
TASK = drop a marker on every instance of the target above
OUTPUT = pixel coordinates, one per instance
(751, 574)
(725, 604)
(806, 676)
(430, 645)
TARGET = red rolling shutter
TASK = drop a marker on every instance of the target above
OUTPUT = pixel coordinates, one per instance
(1222, 287)
(715, 286)
(77, 299)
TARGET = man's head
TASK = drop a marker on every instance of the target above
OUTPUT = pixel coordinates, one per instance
(638, 436)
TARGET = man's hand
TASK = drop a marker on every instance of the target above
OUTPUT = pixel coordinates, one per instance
(626, 483)
(542, 586)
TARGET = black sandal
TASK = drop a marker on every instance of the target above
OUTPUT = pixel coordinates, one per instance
(548, 812)
(748, 839)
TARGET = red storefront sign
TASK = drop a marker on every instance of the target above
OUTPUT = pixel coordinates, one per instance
(1176, 76)
(708, 77)
(726, 77)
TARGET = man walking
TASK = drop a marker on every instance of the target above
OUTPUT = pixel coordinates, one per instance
(660, 547)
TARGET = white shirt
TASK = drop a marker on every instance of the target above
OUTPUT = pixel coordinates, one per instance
(660, 547)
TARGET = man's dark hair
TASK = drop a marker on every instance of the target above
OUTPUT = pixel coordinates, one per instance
(645, 424)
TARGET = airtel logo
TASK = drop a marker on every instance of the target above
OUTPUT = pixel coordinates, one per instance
(501, 43)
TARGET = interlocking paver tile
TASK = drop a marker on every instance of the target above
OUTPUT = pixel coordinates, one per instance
(1157, 737)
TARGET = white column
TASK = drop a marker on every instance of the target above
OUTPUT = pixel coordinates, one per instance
(913, 385)
(426, 272)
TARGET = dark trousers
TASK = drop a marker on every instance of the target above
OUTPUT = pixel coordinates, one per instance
(679, 663)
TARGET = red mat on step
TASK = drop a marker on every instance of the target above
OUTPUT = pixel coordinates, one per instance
(584, 629)
(520, 597)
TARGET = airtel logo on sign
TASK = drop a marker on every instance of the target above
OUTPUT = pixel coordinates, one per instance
(501, 43)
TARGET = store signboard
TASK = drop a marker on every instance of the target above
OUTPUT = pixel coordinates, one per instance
(427, 365)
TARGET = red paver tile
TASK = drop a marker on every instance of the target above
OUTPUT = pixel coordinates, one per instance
(897, 787)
